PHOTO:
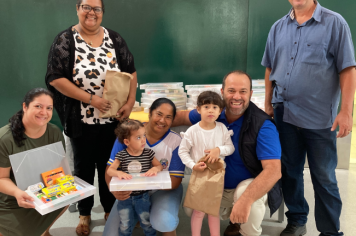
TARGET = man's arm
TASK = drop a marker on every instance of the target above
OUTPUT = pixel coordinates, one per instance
(182, 118)
(344, 118)
(268, 93)
(264, 182)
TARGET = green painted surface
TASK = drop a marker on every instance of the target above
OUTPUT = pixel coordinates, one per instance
(194, 41)
(191, 41)
(28, 29)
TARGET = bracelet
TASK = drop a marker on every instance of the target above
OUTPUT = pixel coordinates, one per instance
(91, 96)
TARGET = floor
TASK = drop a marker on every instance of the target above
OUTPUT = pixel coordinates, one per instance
(65, 226)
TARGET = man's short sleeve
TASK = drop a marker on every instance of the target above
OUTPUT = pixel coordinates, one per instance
(194, 116)
(269, 50)
(268, 145)
(116, 148)
(344, 51)
(176, 168)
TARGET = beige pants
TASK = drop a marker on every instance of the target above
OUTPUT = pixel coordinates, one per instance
(258, 208)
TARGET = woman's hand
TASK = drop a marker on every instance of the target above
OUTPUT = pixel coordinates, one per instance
(200, 166)
(101, 104)
(152, 172)
(123, 175)
(122, 195)
(21, 198)
(213, 155)
(124, 111)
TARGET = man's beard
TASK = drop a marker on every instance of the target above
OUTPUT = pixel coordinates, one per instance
(236, 112)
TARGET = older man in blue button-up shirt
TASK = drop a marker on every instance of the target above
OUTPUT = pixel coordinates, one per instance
(309, 56)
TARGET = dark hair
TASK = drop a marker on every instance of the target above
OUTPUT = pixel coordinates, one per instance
(238, 72)
(16, 125)
(158, 102)
(123, 130)
(210, 97)
(79, 2)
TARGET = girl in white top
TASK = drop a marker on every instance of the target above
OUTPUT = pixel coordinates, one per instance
(206, 137)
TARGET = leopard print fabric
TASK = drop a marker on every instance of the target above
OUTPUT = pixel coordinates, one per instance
(89, 72)
(61, 59)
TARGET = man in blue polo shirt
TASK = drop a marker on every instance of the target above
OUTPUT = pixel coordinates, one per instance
(253, 170)
(309, 56)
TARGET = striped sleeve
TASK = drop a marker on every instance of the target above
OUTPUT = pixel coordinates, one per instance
(151, 154)
(176, 168)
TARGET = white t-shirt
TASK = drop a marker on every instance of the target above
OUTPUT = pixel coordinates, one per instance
(196, 140)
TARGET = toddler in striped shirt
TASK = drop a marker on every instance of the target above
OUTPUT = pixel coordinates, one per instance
(135, 158)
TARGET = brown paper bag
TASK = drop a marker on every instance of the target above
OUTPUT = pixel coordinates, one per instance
(116, 91)
(205, 188)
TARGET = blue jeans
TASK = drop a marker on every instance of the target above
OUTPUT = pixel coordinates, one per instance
(141, 206)
(320, 147)
(163, 215)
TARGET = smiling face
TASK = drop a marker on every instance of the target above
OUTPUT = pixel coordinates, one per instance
(39, 111)
(160, 119)
(236, 95)
(137, 140)
(90, 20)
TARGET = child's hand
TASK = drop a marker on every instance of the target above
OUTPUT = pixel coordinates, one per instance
(213, 155)
(152, 172)
(200, 166)
(123, 175)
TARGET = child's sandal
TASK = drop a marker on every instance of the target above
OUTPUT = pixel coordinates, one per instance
(83, 228)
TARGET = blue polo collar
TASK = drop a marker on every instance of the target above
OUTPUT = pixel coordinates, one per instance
(237, 122)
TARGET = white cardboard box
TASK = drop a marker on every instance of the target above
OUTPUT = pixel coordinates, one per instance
(161, 181)
(27, 168)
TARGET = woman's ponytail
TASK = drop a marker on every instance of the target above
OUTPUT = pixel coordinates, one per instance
(17, 128)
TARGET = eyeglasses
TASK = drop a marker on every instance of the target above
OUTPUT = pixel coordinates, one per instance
(87, 8)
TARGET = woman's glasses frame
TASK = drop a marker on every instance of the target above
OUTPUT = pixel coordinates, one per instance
(87, 8)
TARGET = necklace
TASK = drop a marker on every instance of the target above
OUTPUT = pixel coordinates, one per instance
(82, 32)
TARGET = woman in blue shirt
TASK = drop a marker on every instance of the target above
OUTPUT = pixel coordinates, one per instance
(165, 143)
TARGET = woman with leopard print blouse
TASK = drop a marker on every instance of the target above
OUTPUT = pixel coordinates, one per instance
(77, 63)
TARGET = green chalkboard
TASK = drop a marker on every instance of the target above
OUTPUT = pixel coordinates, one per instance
(28, 29)
(194, 41)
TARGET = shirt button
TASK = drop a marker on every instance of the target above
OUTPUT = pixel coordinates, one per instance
(298, 27)
(287, 73)
(295, 42)
(285, 99)
(284, 88)
(292, 58)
